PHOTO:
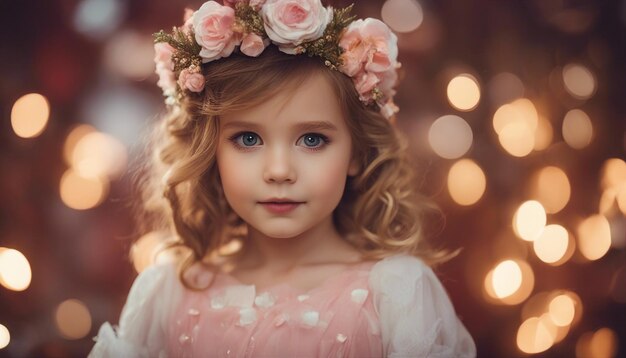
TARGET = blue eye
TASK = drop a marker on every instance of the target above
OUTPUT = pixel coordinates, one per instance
(247, 139)
(313, 140)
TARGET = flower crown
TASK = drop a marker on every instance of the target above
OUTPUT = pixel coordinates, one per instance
(365, 50)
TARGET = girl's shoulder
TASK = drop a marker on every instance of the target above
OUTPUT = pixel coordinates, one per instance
(399, 269)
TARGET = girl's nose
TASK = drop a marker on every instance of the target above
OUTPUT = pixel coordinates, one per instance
(278, 167)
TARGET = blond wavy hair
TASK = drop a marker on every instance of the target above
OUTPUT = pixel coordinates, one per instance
(381, 211)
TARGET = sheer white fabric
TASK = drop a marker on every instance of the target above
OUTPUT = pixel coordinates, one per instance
(416, 315)
(141, 332)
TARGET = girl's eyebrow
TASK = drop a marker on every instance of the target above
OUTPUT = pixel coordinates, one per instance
(304, 126)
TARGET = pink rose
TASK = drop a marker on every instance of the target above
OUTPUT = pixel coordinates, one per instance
(252, 45)
(388, 81)
(163, 54)
(370, 44)
(165, 67)
(193, 81)
(365, 83)
(288, 23)
(389, 109)
(167, 81)
(213, 24)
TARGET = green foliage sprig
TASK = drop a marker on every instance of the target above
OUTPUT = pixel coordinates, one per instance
(327, 47)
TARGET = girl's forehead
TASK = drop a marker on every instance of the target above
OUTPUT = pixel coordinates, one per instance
(311, 100)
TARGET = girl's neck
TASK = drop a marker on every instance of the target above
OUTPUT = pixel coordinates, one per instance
(319, 245)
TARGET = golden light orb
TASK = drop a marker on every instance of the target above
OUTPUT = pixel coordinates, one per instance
(75, 135)
(529, 220)
(517, 139)
(507, 278)
(603, 343)
(5, 337)
(98, 154)
(535, 335)
(523, 275)
(579, 81)
(521, 110)
(594, 237)
(82, 193)
(562, 309)
(466, 182)
(621, 198)
(613, 173)
(577, 129)
(73, 319)
(551, 245)
(29, 115)
(463, 92)
(551, 187)
(543, 134)
(15, 271)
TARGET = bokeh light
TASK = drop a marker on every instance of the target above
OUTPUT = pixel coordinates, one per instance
(535, 335)
(130, 54)
(621, 198)
(72, 319)
(543, 134)
(81, 193)
(516, 124)
(551, 187)
(466, 182)
(74, 136)
(15, 272)
(602, 343)
(551, 245)
(521, 110)
(562, 307)
(5, 336)
(594, 237)
(577, 129)
(507, 278)
(510, 284)
(579, 81)
(29, 115)
(99, 155)
(529, 220)
(450, 136)
(402, 15)
(463, 92)
(98, 18)
(562, 310)
(613, 173)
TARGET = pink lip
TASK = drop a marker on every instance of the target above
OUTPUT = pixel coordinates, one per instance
(280, 206)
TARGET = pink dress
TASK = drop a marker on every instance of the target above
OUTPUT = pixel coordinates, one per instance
(395, 307)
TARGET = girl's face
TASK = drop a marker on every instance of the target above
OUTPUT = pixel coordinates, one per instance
(296, 149)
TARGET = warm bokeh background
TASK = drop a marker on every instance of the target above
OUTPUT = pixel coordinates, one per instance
(515, 109)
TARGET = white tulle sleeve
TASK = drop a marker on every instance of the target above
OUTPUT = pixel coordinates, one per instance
(416, 315)
(141, 329)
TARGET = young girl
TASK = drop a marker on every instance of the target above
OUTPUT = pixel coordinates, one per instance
(279, 136)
